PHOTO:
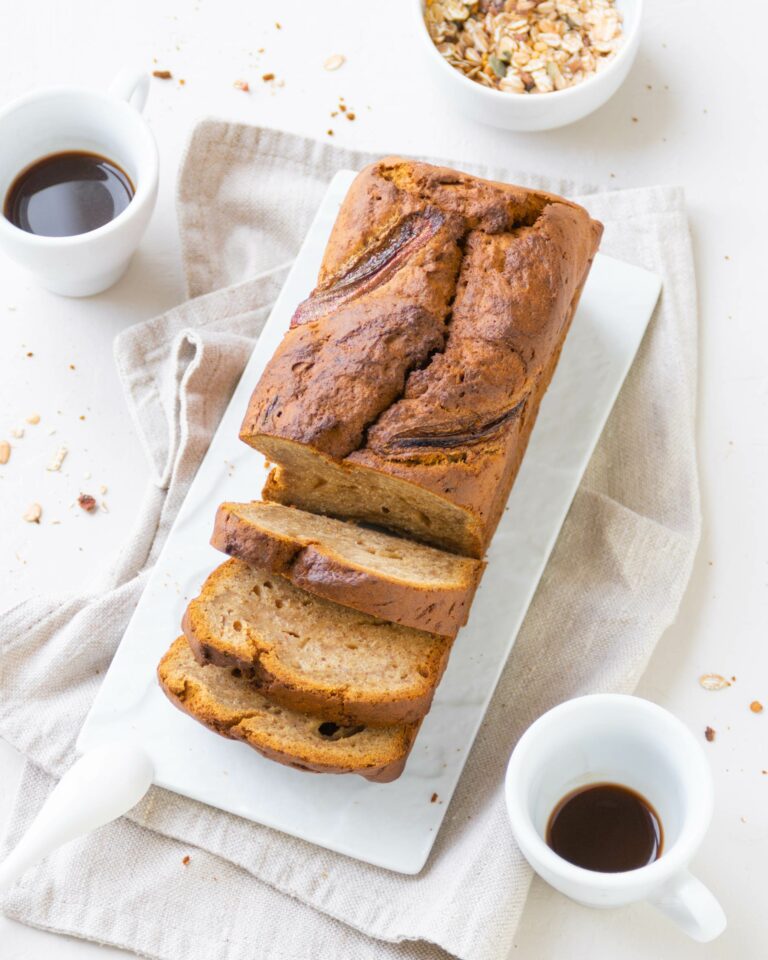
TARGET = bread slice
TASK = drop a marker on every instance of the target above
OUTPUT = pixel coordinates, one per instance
(221, 700)
(368, 570)
(404, 393)
(313, 655)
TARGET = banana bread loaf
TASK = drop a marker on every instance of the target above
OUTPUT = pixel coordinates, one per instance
(405, 391)
(232, 707)
(385, 576)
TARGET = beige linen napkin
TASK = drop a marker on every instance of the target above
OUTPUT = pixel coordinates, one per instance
(613, 584)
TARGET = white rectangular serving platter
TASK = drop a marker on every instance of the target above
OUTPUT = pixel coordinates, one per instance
(390, 825)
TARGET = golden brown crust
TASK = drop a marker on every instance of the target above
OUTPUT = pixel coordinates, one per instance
(207, 697)
(256, 656)
(441, 303)
(319, 569)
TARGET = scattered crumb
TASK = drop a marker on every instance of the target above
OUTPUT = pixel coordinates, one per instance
(709, 734)
(71, 366)
(186, 860)
(764, 772)
(329, 132)
(34, 419)
(103, 489)
(55, 522)
(713, 681)
(727, 257)
(58, 459)
(162, 74)
(743, 819)
(433, 798)
(278, 26)
(182, 81)
(634, 119)
(51, 432)
(733, 679)
(87, 475)
(17, 432)
(343, 107)
(756, 706)
(104, 506)
(242, 85)
(648, 86)
(334, 62)
(29, 353)
(82, 416)
(33, 514)
(266, 77)
(350, 116)
(87, 502)
(5, 451)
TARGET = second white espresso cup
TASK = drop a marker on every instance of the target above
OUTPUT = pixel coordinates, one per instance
(59, 119)
(625, 740)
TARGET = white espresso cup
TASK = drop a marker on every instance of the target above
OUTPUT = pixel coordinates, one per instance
(637, 744)
(59, 119)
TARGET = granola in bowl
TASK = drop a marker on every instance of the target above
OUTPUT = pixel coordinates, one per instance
(525, 46)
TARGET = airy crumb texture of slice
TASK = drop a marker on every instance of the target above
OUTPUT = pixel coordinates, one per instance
(311, 654)
(232, 707)
(375, 572)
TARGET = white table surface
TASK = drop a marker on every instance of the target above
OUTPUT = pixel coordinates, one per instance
(699, 102)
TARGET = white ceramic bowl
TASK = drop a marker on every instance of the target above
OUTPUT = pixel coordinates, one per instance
(524, 111)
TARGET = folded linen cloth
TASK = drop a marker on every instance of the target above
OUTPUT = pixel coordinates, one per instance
(613, 584)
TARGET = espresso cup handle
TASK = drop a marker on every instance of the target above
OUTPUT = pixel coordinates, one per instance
(688, 903)
(131, 85)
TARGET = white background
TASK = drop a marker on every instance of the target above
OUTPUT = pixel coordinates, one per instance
(698, 93)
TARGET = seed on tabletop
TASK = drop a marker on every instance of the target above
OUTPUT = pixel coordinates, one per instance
(5, 451)
(329, 132)
(33, 418)
(334, 62)
(33, 514)
(71, 366)
(267, 77)
(162, 74)
(186, 860)
(350, 116)
(242, 85)
(182, 82)
(709, 734)
(433, 798)
(58, 460)
(713, 681)
(278, 26)
(87, 502)
(756, 706)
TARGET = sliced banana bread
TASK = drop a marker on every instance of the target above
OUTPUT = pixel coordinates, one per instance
(371, 571)
(221, 700)
(311, 654)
